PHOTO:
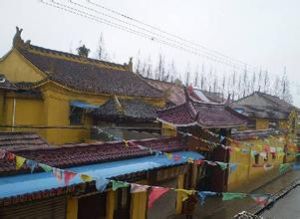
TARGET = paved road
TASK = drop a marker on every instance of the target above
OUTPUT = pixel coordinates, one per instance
(287, 207)
(216, 209)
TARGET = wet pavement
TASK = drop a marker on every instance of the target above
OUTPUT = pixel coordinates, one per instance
(215, 208)
(286, 207)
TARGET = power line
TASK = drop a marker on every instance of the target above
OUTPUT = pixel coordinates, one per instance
(167, 33)
(148, 31)
(109, 23)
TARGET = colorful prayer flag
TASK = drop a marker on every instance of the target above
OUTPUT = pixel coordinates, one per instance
(118, 184)
(284, 167)
(253, 153)
(227, 196)
(236, 149)
(169, 156)
(86, 178)
(156, 193)
(45, 167)
(19, 162)
(135, 188)
(190, 160)
(222, 165)
(263, 155)
(204, 194)
(185, 193)
(32, 164)
(10, 156)
(176, 157)
(142, 147)
(222, 138)
(261, 200)
(68, 176)
(126, 143)
(101, 184)
(2, 153)
(211, 163)
(199, 162)
(245, 151)
(232, 167)
(58, 173)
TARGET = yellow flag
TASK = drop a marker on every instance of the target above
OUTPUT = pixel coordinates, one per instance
(126, 143)
(85, 178)
(260, 147)
(185, 193)
(237, 149)
(190, 160)
(169, 156)
(19, 162)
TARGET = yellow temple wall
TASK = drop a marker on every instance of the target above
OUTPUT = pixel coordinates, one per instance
(17, 69)
(248, 176)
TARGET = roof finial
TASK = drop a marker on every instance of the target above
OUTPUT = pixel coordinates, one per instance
(130, 64)
(17, 40)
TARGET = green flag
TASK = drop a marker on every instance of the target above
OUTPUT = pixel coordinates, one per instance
(118, 184)
(45, 167)
(227, 196)
(284, 167)
(222, 165)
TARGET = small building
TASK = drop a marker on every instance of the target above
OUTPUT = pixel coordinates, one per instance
(40, 194)
(52, 92)
(264, 111)
(195, 117)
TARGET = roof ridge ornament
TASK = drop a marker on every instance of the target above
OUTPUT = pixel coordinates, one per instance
(17, 40)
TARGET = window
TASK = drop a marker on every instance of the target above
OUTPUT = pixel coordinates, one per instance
(76, 116)
(256, 159)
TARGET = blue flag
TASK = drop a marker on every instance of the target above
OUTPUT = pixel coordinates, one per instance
(101, 184)
(204, 194)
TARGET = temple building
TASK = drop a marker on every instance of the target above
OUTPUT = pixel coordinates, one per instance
(52, 92)
(264, 111)
(195, 116)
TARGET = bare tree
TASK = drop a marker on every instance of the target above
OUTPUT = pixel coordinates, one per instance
(277, 87)
(286, 95)
(253, 82)
(260, 77)
(196, 77)
(266, 82)
(245, 85)
(160, 71)
(102, 54)
(223, 85)
(173, 71)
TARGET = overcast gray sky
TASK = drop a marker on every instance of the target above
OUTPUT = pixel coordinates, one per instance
(260, 32)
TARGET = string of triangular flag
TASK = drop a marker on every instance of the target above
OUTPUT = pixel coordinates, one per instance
(101, 184)
(263, 149)
(222, 137)
(232, 166)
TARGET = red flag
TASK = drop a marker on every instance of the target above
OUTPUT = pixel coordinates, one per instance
(261, 200)
(68, 176)
(156, 193)
(176, 157)
(199, 162)
(10, 156)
